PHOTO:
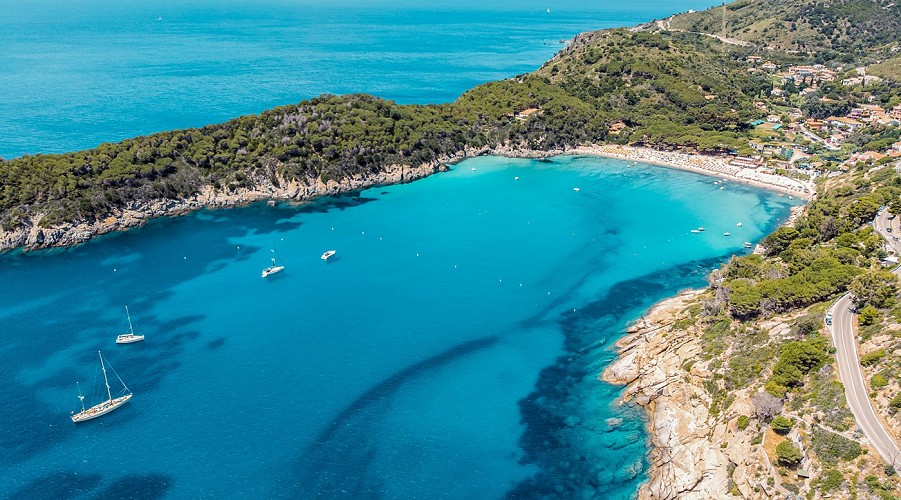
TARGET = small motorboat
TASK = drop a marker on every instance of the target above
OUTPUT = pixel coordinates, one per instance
(327, 254)
(725, 234)
(748, 244)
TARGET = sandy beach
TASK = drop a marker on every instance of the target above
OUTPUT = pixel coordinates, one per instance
(702, 164)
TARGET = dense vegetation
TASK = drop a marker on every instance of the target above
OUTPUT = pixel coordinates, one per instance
(829, 250)
(655, 84)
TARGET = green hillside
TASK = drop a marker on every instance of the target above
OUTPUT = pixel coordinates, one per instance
(829, 29)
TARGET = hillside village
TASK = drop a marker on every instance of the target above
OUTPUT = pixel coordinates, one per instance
(818, 120)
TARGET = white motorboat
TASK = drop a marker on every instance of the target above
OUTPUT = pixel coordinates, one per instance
(327, 255)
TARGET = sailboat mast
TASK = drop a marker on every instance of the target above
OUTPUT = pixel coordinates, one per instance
(130, 329)
(105, 380)
(80, 397)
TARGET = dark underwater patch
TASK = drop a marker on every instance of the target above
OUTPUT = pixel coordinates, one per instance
(560, 413)
(337, 465)
(64, 484)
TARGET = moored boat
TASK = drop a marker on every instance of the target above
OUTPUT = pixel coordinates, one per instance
(274, 268)
(130, 337)
(103, 407)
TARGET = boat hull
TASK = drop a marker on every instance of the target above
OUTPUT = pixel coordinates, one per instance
(269, 271)
(129, 339)
(327, 255)
(101, 409)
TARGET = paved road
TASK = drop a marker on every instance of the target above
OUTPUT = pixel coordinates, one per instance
(849, 371)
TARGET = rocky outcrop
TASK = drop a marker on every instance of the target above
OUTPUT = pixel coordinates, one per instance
(685, 463)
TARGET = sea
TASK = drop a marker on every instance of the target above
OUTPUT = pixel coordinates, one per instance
(450, 348)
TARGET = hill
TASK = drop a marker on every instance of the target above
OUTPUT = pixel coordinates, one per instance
(829, 29)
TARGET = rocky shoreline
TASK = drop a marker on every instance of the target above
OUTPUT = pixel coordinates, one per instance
(651, 362)
(32, 236)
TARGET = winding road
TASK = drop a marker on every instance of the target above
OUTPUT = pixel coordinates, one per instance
(849, 371)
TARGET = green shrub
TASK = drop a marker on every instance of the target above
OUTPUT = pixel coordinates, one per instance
(788, 454)
(895, 403)
(742, 423)
(872, 357)
(775, 389)
(868, 315)
(832, 447)
(781, 425)
(878, 381)
(796, 360)
(831, 480)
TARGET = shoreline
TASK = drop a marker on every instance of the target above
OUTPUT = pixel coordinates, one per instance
(651, 365)
(701, 164)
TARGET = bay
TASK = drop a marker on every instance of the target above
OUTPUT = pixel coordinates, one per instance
(449, 349)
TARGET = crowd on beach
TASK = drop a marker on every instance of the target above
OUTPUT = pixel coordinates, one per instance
(709, 165)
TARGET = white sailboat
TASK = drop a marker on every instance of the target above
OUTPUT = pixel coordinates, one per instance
(274, 268)
(106, 406)
(130, 337)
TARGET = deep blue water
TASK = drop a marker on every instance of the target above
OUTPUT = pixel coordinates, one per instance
(76, 73)
(449, 349)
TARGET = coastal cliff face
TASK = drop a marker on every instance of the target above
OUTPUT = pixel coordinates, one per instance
(32, 236)
(685, 463)
(697, 453)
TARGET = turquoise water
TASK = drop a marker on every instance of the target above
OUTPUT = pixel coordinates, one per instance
(78, 73)
(449, 349)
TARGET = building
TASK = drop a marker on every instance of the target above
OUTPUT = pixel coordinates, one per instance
(843, 123)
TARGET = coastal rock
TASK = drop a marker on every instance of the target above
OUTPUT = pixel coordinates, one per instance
(685, 463)
(29, 236)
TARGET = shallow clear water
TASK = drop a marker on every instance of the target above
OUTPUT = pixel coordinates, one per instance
(78, 73)
(449, 349)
